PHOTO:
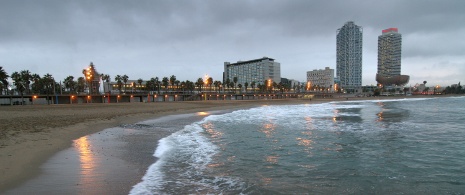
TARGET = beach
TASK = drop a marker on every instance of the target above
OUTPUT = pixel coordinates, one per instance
(32, 134)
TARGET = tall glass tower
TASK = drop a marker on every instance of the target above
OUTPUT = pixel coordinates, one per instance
(349, 43)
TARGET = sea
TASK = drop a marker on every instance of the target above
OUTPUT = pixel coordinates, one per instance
(392, 146)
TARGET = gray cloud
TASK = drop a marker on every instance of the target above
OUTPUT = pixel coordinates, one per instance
(191, 38)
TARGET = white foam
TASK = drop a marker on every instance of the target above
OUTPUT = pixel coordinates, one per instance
(188, 142)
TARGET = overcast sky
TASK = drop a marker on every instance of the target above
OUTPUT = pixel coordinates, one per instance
(189, 39)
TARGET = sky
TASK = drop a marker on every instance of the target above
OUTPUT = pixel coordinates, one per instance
(189, 38)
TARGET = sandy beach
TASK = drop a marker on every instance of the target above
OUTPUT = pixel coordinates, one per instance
(30, 135)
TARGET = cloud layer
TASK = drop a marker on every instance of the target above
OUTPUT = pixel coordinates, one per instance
(189, 39)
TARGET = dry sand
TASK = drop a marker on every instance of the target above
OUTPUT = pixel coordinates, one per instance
(29, 135)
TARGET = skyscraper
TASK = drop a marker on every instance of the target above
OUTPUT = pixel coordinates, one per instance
(389, 58)
(389, 52)
(349, 56)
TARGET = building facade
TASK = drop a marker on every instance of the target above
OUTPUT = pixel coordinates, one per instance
(323, 78)
(258, 70)
(349, 41)
(389, 52)
(389, 58)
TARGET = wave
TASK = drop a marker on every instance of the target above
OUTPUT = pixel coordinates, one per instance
(187, 147)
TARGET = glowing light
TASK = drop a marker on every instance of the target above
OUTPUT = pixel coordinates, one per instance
(203, 113)
(272, 159)
(86, 158)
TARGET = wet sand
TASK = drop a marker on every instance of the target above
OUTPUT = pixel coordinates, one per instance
(30, 135)
(36, 142)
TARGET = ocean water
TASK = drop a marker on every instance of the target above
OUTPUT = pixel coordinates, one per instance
(404, 146)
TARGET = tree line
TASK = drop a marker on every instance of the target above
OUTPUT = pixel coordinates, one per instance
(27, 83)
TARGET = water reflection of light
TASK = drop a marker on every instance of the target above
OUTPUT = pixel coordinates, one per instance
(380, 116)
(304, 142)
(203, 113)
(272, 159)
(86, 158)
(309, 123)
(267, 180)
(214, 165)
(336, 113)
(268, 129)
(381, 104)
(209, 128)
(231, 158)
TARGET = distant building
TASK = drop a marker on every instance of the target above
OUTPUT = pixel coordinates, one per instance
(389, 58)
(349, 43)
(323, 78)
(258, 70)
(131, 86)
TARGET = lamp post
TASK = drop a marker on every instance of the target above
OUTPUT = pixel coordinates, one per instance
(206, 84)
(269, 84)
(89, 77)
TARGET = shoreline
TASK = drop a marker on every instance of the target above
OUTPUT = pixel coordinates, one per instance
(33, 134)
(47, 130)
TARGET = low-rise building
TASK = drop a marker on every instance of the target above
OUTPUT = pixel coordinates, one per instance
(322, 78)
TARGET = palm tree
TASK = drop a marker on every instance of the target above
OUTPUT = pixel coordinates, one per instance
(199, 84)
(37, 85)
(119, 81)
(153, 81)
(165, 82)
(246, 84)
(172, 79)
(235, 82)
(48, 82)
(240, 88)
(158, 83)
(260, 87)
(226, 84)
(253, 86)
(210, 82)
(176, 82)
(125, 80)
(81, 84)
(19, 84)
(3, 80)
(217, 85)
(140, 83)
(107, 78)
(69, 83)
(27, 78)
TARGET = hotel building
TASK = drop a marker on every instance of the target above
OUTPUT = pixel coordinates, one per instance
(389, 58)
(349, 56)
(258, 70)
(389, 52)
(323, 78)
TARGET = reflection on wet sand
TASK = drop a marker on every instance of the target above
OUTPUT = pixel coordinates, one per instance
(87, 161)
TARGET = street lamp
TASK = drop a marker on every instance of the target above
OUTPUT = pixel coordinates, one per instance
(89, 75)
